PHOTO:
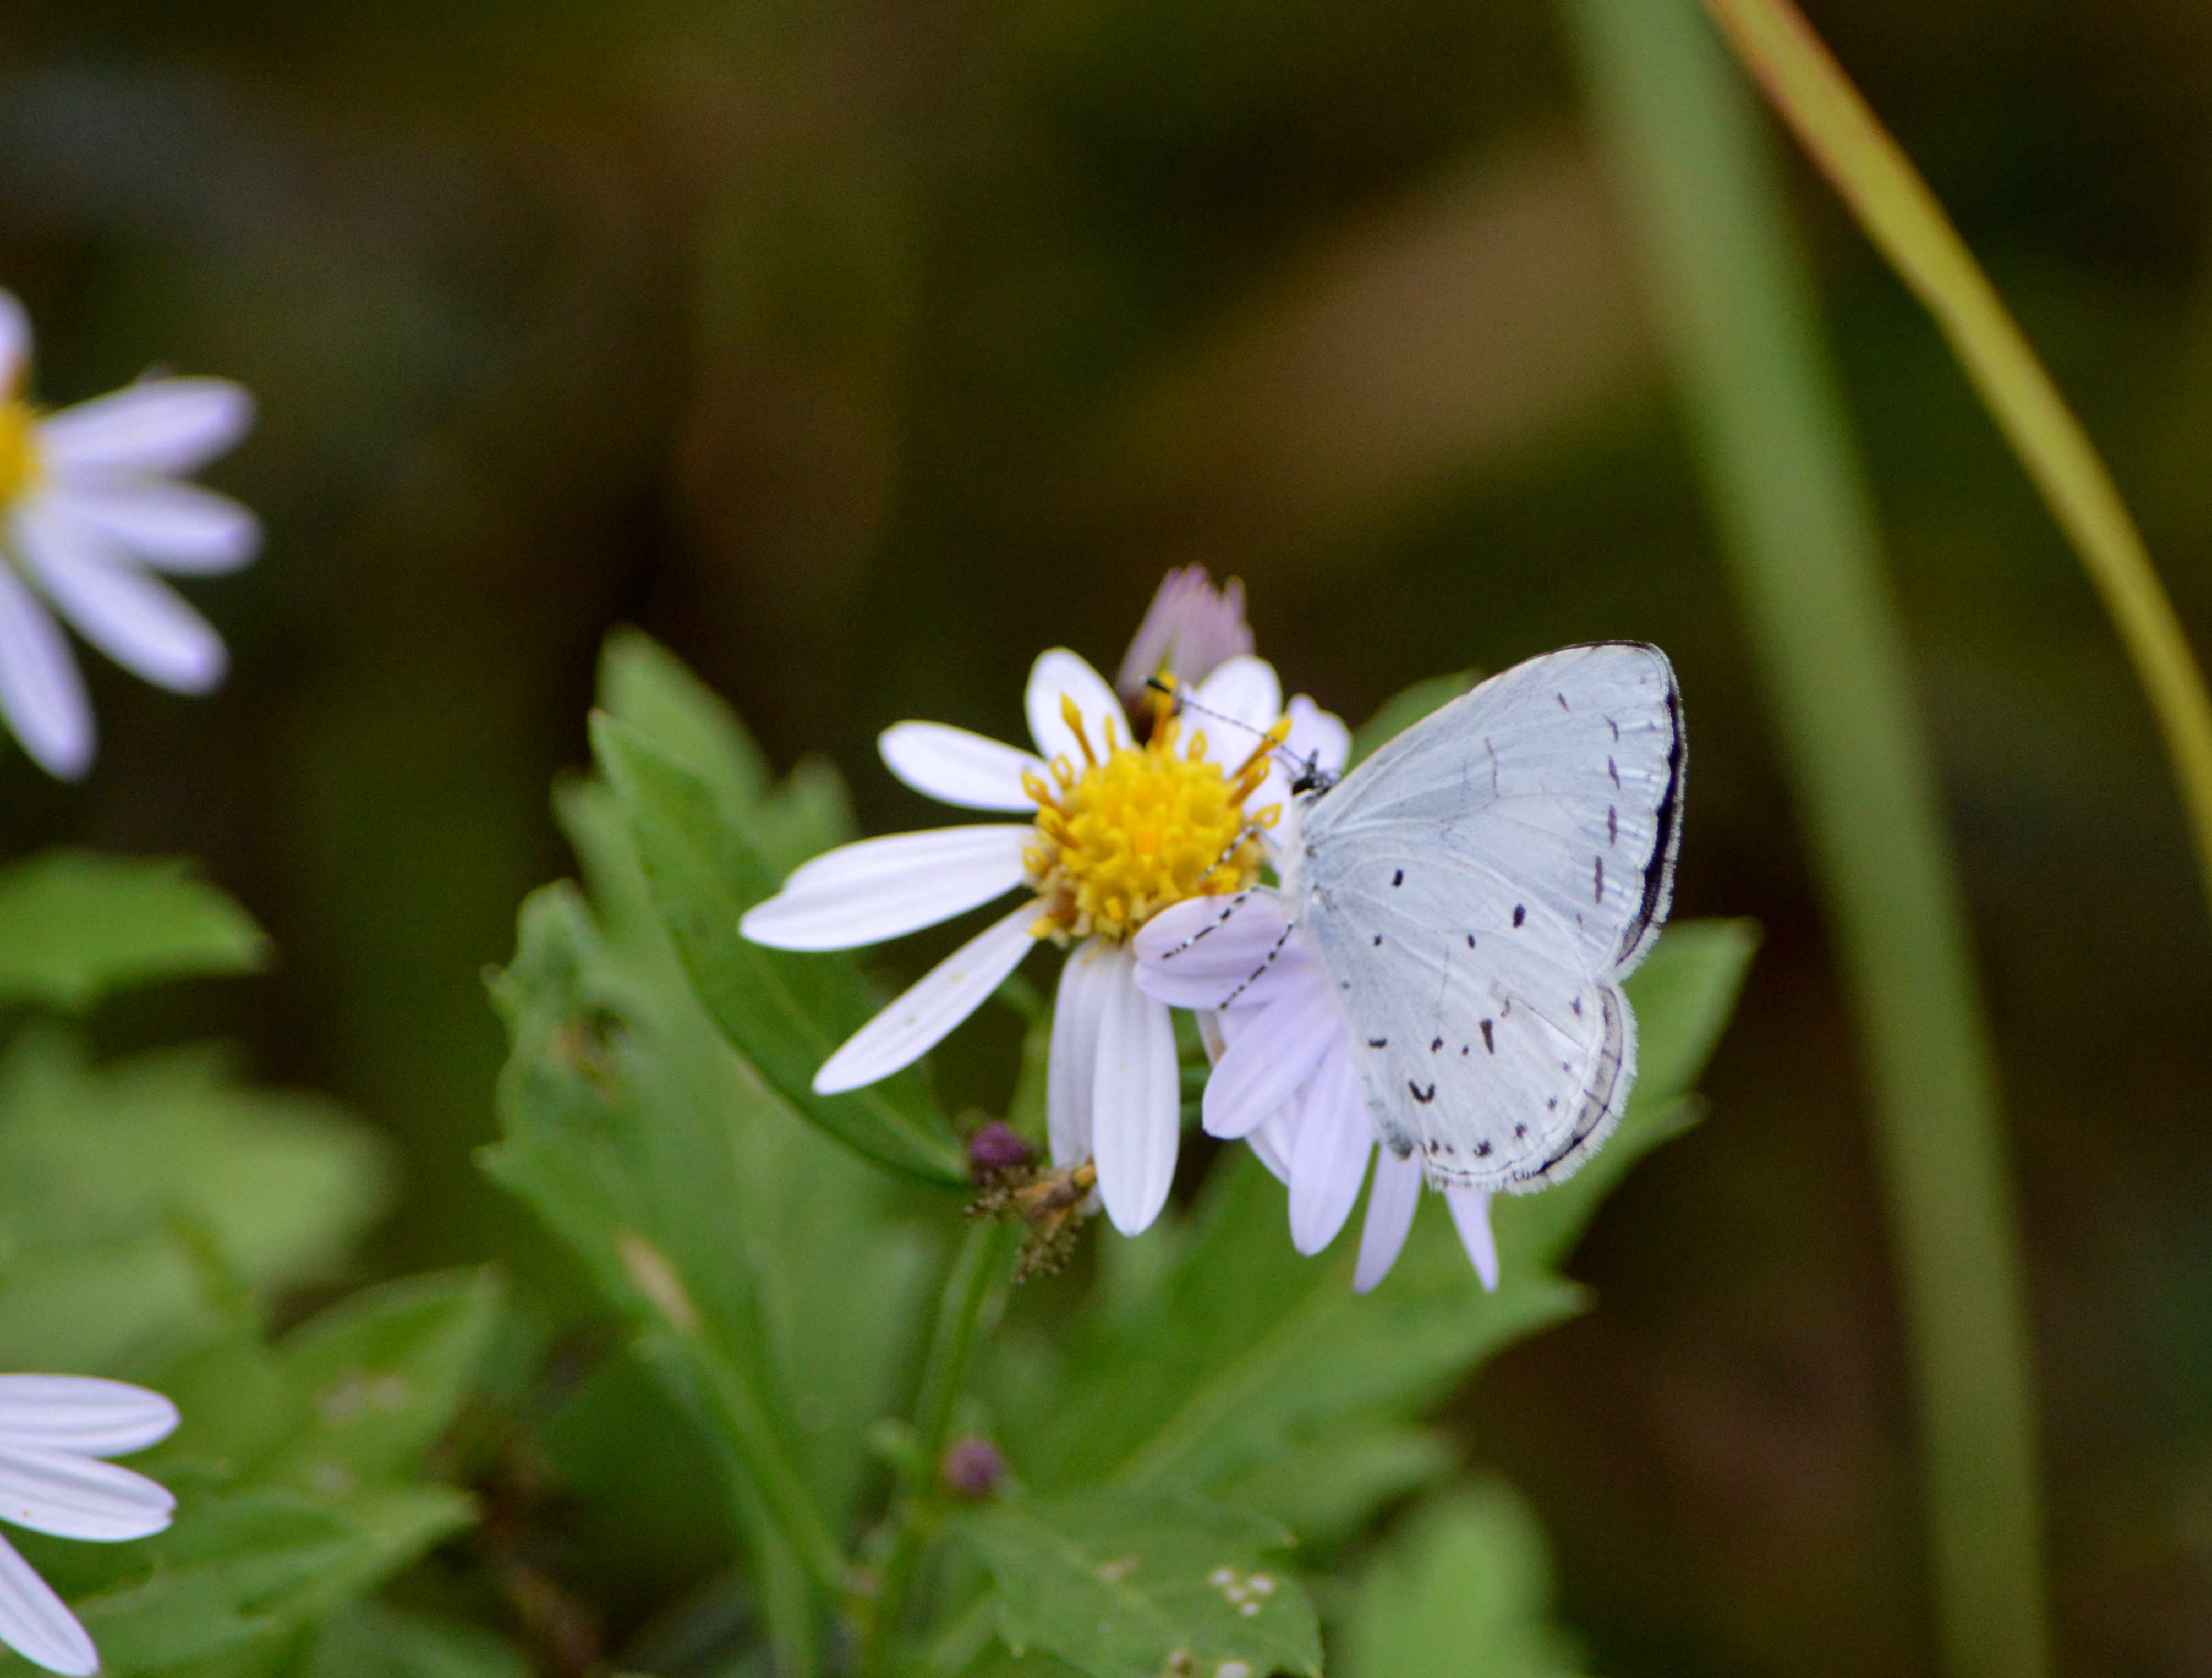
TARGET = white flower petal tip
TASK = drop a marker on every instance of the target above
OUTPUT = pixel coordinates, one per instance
(1317, 737)
(162, 427)
(1213, 952)
(885, 888)
(41, 690)
(1060, 675)
(179, 528)
(1470, 1211)
(955, 767)
(1136, 1105)
(918, 1019)
(1190, 629)
(1391, 1202)
(125, 613)
(82, 1413)
(74, 1496)
(37, 1624)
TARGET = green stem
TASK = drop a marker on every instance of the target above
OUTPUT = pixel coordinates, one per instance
(1735, 304)
(978, 1276)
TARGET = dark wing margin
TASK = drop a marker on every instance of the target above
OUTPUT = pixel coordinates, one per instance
(1667, 843)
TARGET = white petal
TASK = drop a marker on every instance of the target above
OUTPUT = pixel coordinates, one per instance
(1136, 1105)
(1199, 952)
(914, 1024)
(1078, 1013)
(888, 887)
(39, 688)
(1236, 706)
(1317, 737)
(36, 1625)
(82, 1413)
(169, 426)
(1060, 673)
(1470, 1209)
(1273, 1141)
(953, 766)
(133, 619)
(176, 527)
(1390, 1203)
(1271, 1058)
(80, 1497)
(1335, 1138)
(14, 346)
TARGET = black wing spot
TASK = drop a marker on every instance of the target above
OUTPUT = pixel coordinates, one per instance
(1520, 1130)
(1378, 1042)
(1614, 726)
(1576, 1003)
(1470, 940)
(1553, 1102)
(1599, 876)
(1398, 878)
(1520, 913)
(1425, 1096)
(1482, 1150)
(1562, 698)
(1611, 825)
(1613, 770)
(1434, 1046)
(1489, 1042)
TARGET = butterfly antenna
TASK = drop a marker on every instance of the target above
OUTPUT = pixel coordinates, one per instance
(1306, 773)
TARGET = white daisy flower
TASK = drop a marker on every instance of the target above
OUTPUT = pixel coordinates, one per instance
(1117, 830)
(54, 1429)
(1189, 631)
(1285, 1079)
(90, 504)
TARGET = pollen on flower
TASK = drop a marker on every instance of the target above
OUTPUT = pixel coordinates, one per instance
(1135, 827)
(19, 449)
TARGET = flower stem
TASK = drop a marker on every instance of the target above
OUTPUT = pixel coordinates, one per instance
(973, 1290)
(1782, 474)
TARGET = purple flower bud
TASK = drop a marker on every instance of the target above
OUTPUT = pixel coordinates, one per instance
(1190, 631)
(995, 1149)
(972, 1468)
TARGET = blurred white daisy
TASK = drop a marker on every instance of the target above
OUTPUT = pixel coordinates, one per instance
(54, 1429)
(1189, 631)
(91, 503)
(1117, 829)
(1285, 1079)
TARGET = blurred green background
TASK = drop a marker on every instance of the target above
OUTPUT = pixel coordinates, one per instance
(860, 350)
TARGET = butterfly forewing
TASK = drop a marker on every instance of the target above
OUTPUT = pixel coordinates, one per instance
(1476, 890)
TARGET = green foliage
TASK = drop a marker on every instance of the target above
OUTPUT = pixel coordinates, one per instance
(1129, 1584)
(75, 926)
(1464, 1590)
(1403, 710)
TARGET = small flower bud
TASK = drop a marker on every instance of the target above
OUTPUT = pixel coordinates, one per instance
(1189, 631)
(971, 1469)
(995, 1149)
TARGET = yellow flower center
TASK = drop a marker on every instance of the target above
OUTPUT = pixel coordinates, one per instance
(1135, 827)
(19, 448)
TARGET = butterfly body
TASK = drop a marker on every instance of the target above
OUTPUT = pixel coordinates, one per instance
(1478, 889)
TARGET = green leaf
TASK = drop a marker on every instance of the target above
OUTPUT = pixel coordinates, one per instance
(1124, 1584)
(75, 926)
(128, 1191)
(1327, 1489)
(1464, 1591)
(785, 1011)
(1403, 710)
(373, 1640)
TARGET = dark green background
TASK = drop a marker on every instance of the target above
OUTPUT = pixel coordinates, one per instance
(861, 351)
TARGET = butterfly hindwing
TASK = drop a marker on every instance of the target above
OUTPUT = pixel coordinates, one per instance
(1477, 889)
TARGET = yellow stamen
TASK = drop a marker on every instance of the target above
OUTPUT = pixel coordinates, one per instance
(19, 449)
(1071, 714)
(1141, 826)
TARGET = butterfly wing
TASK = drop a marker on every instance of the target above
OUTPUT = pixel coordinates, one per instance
(1478, 889)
